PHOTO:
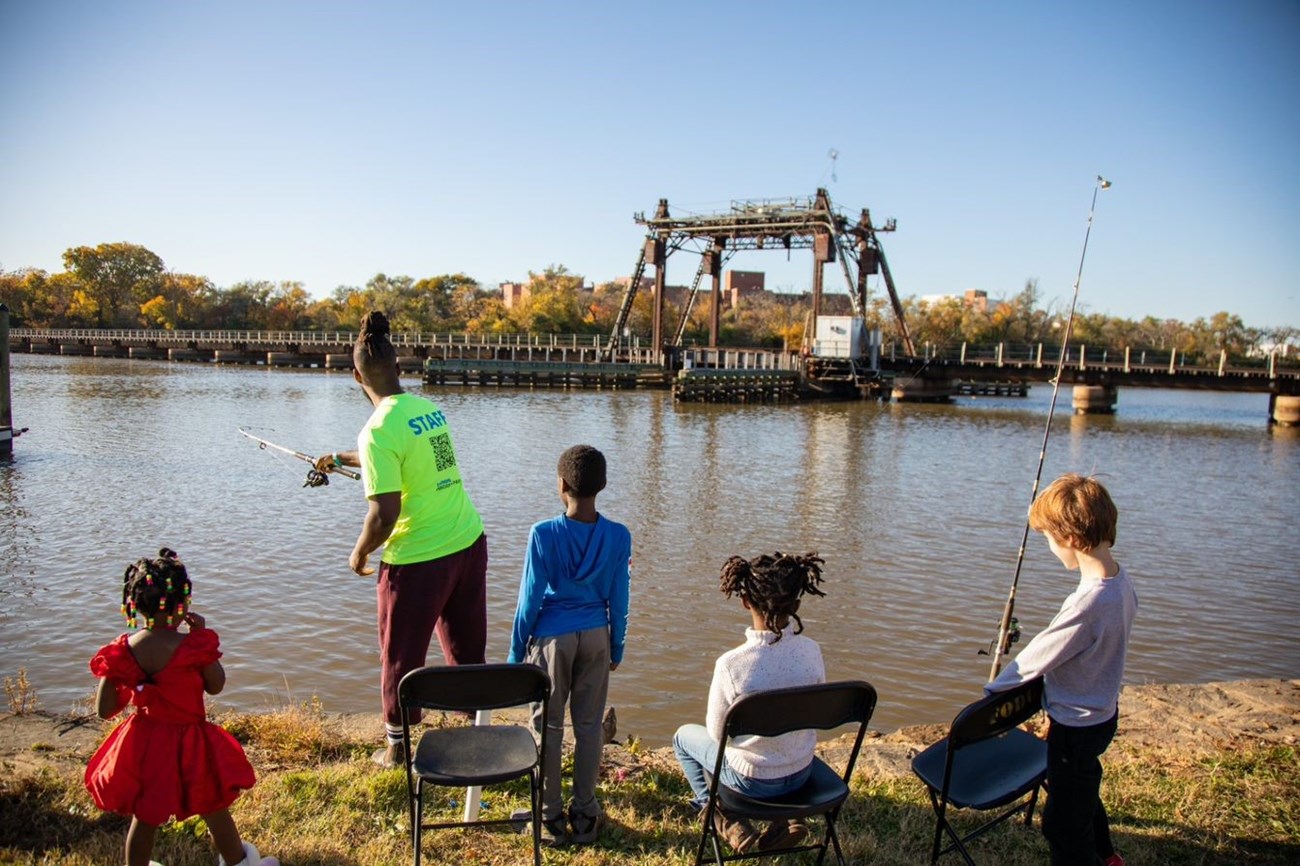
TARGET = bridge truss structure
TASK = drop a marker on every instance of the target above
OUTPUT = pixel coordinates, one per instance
(757, 224)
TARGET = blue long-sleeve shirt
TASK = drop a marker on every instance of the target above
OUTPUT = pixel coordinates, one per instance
(575, 577)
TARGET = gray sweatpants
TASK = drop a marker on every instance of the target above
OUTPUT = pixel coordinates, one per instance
(578, 664)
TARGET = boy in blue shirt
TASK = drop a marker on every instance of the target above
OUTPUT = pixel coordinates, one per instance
(1080, 656)
(571, 621)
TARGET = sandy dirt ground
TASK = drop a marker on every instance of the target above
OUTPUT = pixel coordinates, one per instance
(1189, 718)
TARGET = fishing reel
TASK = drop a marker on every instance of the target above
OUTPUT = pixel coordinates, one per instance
(1013, 636)
(315, 478)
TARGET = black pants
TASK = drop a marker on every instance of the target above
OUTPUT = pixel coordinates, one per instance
(1074, 820)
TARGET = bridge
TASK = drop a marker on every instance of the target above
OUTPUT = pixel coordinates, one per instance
(935, 373)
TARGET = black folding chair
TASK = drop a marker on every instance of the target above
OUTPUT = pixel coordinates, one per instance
(780, 711)
(475, 755)
(985, 763)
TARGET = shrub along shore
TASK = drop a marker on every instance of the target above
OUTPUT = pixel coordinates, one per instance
(1199, 774)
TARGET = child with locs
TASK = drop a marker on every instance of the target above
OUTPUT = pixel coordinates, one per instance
(775, 655)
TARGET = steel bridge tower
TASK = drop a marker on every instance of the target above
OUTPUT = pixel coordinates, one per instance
(757, 224)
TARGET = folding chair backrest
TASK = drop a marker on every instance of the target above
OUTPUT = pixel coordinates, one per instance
(779, 711)
(996, 714)
(474, 687)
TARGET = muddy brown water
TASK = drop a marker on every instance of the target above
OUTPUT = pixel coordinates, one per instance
(918, 511)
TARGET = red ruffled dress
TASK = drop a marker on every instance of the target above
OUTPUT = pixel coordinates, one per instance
(166, 760)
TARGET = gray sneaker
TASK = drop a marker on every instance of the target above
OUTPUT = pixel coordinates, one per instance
(555, 832)
(585, 827)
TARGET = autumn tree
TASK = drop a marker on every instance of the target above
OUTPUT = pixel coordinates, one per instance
(117, 279)
(437, 300)
(553, 305)
(180, 301)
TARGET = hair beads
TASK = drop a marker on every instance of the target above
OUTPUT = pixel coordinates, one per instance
(160, 586)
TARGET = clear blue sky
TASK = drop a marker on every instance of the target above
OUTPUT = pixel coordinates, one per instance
(327, 141)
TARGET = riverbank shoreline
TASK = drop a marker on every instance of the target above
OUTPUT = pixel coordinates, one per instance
(1192, 718)
(1200, 775)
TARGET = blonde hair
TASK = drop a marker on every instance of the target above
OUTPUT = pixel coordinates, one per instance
(1077, 511)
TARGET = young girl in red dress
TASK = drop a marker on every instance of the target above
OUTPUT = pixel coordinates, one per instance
(166, 760)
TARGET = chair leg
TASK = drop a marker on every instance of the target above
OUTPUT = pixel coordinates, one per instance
(938, 828)
(1029, 811)
(536, 780)
(833, 838)
(417, 812)
(705, 833)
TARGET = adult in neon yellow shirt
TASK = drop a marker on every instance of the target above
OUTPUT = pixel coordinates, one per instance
(433, 571)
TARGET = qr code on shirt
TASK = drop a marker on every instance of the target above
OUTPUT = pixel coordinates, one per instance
(443, 454)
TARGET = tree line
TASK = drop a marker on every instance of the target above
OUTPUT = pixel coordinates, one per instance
(124, 285)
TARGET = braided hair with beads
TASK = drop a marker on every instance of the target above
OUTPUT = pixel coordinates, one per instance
(156, 591)
(773, 585)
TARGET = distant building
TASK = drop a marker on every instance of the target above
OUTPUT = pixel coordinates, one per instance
(514, 293)
(972, 299)
(739, 284)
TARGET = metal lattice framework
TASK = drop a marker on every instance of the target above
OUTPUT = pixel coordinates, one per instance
(759, 224)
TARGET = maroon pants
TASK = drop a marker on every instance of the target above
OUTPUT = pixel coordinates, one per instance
(448, 595)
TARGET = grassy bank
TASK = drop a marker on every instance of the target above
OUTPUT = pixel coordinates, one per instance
(319, 800)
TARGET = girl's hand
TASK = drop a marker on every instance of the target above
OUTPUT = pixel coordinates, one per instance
(195, 621)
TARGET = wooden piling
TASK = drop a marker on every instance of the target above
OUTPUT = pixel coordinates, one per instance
(6, 417)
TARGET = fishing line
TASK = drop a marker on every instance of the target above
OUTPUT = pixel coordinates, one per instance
(1008, 632)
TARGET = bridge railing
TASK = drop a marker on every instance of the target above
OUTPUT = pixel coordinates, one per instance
(1083, 357)
(399, 338)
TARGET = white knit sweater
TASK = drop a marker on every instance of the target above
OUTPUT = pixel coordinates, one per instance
(757, 665)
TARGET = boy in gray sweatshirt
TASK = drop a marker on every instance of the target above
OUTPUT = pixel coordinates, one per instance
(1080, 656)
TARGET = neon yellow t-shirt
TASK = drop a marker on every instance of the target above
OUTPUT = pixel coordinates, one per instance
(406, 447)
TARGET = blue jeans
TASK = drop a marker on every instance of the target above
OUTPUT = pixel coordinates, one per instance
(697, 752)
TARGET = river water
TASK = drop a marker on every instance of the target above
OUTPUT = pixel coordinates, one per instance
(918, 511)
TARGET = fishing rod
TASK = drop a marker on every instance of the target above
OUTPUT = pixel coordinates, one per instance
(315, 478)
(1008, 628)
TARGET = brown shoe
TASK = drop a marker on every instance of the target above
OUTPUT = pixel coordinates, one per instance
(736, 832)
(392, 755)
(783, 834)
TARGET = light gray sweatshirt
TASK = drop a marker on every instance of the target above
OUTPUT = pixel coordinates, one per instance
(1080, 654)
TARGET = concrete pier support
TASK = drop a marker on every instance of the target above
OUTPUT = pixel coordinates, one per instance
(338, 362)
(921, 389)
(292, 359)
(1095, 399)
(1284, 410)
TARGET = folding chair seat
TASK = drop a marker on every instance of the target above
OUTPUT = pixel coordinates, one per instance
(985, 763)
(779, 711)
(476, 755)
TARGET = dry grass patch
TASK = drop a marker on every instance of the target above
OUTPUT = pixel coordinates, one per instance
(320, 802)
